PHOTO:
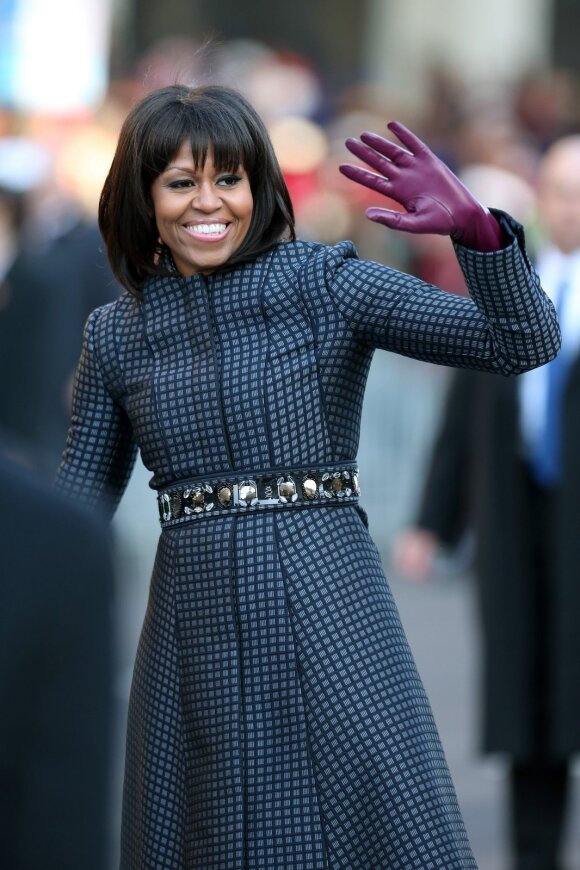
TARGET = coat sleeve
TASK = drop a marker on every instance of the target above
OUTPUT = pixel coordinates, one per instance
(507, 326)
(100, 450)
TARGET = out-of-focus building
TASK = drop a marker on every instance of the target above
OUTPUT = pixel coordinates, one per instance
(54, 56)
(386, 41)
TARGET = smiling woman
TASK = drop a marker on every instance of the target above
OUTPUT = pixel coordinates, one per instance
(276, 719)
(179, 150)
(203, 215)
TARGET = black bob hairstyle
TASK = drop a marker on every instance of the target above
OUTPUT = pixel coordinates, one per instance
(210, 118)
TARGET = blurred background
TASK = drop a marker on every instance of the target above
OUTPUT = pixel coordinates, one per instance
(488, 85)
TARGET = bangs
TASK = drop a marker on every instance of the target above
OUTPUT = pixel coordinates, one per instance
(209, 130)
(228, 141)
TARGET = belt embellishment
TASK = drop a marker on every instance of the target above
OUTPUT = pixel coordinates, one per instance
(258, 491)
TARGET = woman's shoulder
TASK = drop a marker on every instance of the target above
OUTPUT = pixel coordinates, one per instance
(126, 305)
(302, 253)
(105, 323)
(305, 249)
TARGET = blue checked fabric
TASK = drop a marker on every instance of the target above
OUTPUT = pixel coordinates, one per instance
(277, 719)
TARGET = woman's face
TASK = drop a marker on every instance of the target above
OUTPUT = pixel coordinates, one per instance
(202, 215)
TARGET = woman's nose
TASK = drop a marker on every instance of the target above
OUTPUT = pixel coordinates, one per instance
(206, 198)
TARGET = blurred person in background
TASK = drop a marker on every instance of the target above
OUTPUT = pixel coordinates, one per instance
(24, 165)
(506, 464)
(276, 715)
(55, 273)
(545, 105)
(12, 207)
(56, 587)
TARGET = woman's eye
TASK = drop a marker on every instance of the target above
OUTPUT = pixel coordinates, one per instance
(180, 184)
(229, 180)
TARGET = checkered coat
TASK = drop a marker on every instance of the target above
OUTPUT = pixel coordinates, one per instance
(277, 719)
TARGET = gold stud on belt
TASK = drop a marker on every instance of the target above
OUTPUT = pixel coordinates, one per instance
(225, 496)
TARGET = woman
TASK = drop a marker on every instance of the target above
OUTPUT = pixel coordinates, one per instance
(276, 716)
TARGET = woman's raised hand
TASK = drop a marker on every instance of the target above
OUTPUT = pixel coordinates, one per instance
(434, 199)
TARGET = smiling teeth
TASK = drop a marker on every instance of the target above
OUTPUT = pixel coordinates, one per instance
(208, 229)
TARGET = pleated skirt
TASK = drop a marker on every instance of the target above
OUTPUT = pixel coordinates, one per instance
(277, 720)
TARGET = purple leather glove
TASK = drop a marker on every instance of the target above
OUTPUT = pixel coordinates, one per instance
(434, 198)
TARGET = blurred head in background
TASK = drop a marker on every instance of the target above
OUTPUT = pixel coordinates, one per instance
(24, 167)
(559, 194)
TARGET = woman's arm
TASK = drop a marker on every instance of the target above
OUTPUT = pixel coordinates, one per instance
(509, 324)
(100, 450)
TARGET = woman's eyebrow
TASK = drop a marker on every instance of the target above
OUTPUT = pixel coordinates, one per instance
(180, 168)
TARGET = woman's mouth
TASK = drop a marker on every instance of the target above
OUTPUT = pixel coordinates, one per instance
(213, 231)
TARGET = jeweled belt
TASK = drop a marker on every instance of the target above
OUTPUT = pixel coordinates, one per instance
(239, 493)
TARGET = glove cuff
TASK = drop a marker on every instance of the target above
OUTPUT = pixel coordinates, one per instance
(483, 233)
